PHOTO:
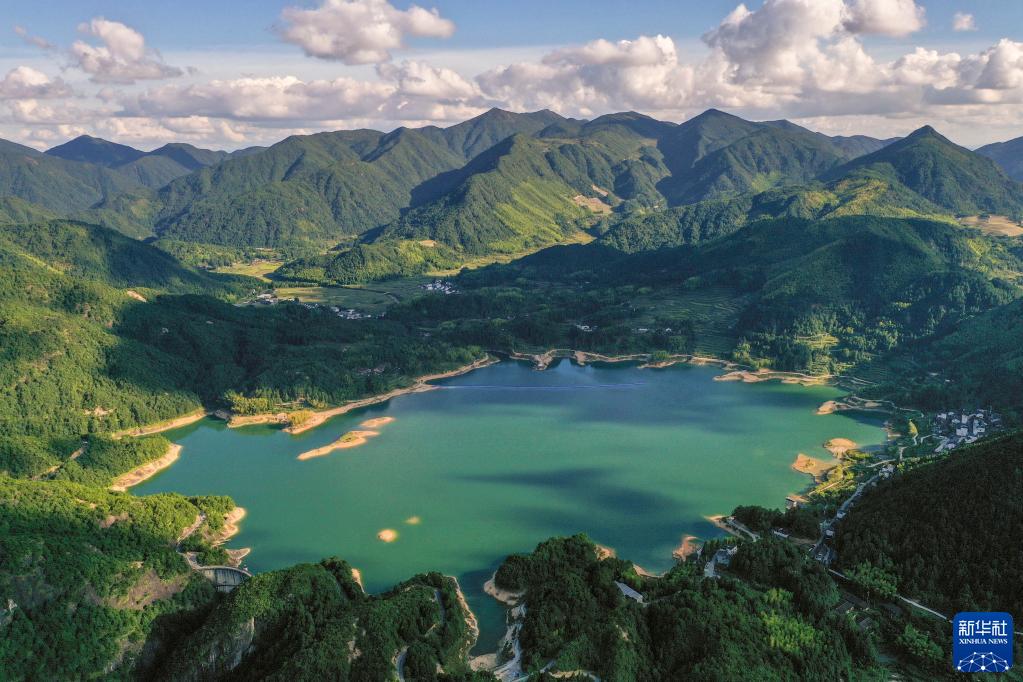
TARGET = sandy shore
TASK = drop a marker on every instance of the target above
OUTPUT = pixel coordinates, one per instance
(605, 552)
(686, 548)
(839, 446)
(236, 420)
(357, 577)
(139, 474)
(230, 527)
(177, 422)
(472, 624)
(805, 464)
(858, 404)
(421, 384)
(352, 439)
(748, 377)
(506, 597)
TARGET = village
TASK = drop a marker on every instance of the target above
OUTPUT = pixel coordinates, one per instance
(956, 428)
(271, 298)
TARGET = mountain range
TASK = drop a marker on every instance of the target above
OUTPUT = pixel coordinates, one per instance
(500, 183)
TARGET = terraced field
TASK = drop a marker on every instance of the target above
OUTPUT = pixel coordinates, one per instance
(714, 310)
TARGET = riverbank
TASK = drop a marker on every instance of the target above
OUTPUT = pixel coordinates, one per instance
(317, 418)
(147, 470)
(733, 370)
(166, 425)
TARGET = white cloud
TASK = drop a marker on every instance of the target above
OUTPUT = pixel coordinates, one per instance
(24, 82)
(35, 41)
(121, 56)
(802, 59)
(884, 17)
(359, 31)
(963, 21)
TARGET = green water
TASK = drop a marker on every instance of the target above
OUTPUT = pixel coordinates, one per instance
(502, 458)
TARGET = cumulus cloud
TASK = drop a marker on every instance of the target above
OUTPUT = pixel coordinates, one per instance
(410, 91)
(24, 82)
(121, 55)
(802, 59)
(963, 21)
(359, 31)
(884, 17)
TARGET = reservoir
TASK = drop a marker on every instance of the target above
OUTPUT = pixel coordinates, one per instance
(499, 459)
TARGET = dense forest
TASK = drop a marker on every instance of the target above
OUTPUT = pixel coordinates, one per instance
(776, 624)
(942, 533)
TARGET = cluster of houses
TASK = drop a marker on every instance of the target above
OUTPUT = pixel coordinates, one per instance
(270, 298)
(267, 298)
(960, 428)
(721, 558)
(439, 286)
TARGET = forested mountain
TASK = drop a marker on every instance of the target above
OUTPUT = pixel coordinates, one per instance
(968, 500)
(54, 183)
(1008, 155)
(324, 186)
(944, 173)
(150, 169)
(776, 624)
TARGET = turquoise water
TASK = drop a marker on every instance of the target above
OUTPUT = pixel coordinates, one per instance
(502, 458)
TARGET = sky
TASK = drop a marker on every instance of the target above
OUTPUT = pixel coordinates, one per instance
(227, 75)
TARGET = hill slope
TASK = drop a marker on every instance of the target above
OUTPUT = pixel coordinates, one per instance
(1008, 155)
(946, 174)
(54, 183)
(968, 499)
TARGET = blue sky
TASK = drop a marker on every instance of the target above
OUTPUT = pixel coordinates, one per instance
(228, 74)
(191, 24)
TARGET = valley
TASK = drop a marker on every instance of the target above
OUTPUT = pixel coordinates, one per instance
(710, 302)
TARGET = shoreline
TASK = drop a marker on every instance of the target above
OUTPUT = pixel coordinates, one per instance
(506, 597)
(147, 470)
(165, 425)
(419, 385)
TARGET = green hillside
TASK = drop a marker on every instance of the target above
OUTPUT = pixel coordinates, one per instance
(96, 151)
(150, 169)
(1008, 155)
(946, 174)
(775, 625)
(53, 183)
(254, 632)
(968, 500)
(90, 578)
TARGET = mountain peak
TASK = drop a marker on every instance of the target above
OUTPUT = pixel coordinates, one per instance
(95, 150)
(925, 131)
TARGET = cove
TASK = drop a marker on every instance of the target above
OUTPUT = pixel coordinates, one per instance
(497, 460)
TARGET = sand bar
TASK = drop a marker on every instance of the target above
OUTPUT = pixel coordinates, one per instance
(147, 470)
(352, 439)
(387, 535)
(376, 422)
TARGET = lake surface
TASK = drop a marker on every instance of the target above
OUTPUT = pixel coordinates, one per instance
(498, 460)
